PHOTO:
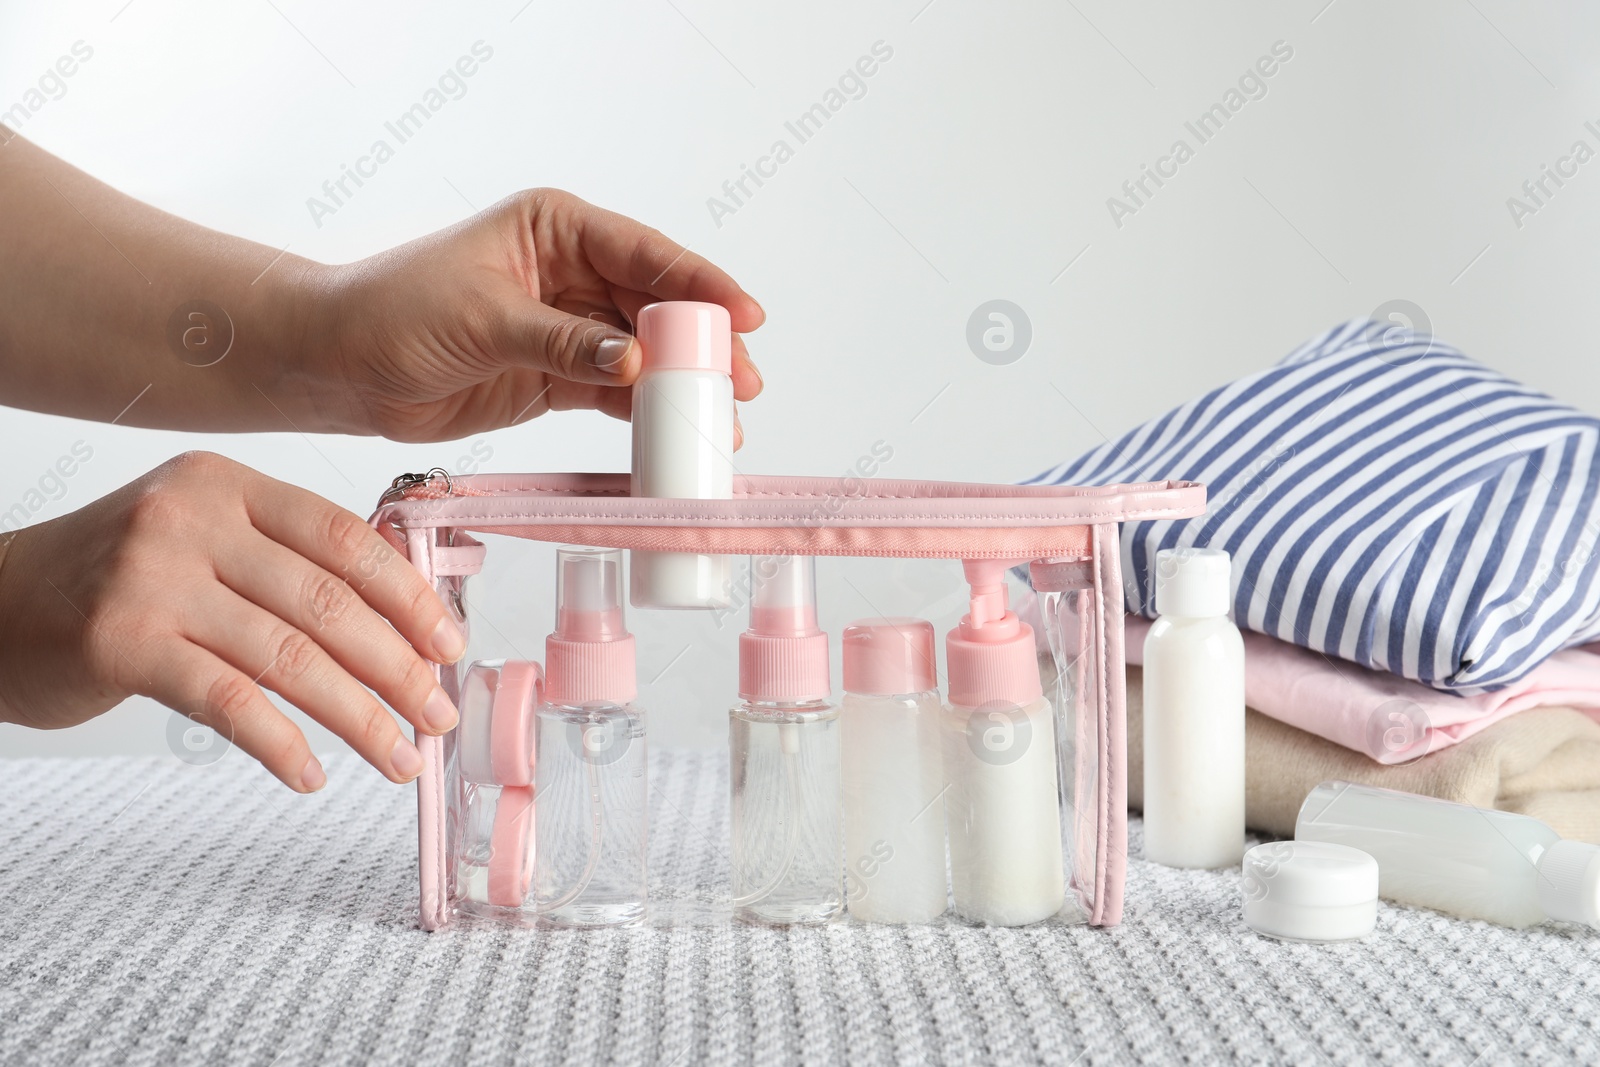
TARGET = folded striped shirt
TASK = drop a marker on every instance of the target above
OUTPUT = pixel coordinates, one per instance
(1387, 501)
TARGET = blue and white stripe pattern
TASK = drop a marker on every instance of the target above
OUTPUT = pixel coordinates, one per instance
(1386, 500)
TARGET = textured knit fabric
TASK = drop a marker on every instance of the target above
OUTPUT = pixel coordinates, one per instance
(1386, 500)
(161, 914)
(1543, 762)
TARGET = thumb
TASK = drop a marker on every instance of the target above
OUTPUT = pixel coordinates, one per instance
(580, 350)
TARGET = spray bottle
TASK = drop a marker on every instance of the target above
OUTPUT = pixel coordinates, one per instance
(787, 848)
(590, 762)
(1003, 806)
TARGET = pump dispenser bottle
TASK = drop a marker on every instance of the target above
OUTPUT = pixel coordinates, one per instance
(683, 441)
(787, 854)
(1003, 804)
(1473, 862)
(589, 865)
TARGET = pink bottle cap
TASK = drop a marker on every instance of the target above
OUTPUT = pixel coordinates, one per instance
(783, 656)
(990, 656)
(685, 335)
(590, 657)
(511, 847)
(889, 656)
(495, 740)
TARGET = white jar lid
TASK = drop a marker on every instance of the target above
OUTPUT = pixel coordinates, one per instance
(1310, 891)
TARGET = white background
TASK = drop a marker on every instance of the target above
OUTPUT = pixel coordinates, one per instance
(977, 166)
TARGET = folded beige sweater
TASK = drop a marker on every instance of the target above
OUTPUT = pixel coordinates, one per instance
(1543, 762)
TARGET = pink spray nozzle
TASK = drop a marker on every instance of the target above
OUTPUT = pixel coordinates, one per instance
(990, 656)
(783, 596)
(784, 655)
(590, 657)
(589, 594)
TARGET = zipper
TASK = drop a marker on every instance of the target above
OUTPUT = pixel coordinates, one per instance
(406, 482)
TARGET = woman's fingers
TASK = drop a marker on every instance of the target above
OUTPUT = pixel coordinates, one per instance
(531, 333)
(338, 542)
(274, 654)
(747, 382)
(217, 694)
(630, 254)
(323, 607)
(746, 379)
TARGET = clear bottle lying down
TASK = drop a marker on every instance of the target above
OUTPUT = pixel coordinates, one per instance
(1473, 862)
(787, 856)
(589, 867)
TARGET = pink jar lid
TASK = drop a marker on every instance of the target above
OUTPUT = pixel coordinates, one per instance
(889, 656)
(685, 335)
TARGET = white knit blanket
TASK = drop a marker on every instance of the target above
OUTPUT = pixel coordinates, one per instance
(157, 913)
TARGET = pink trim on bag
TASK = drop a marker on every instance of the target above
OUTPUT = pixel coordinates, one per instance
(813, 516)
(1111, 863)
(460, 560)
(433, 904)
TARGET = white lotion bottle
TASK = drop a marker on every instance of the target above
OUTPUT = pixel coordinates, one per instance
(1477, 863)
(1003, 803)
(892, 767)
(683, 442)
(1194, 748)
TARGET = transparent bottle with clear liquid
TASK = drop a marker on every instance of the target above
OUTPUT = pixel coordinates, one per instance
(591, 829)
(787, 840)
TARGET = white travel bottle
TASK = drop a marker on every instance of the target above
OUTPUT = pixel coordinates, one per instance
(892, 768)
(1477, 863)
(1193, 715)
(683, 442)
(1003, 804)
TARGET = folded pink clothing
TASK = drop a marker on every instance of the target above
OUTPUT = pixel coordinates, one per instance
(1389, 718)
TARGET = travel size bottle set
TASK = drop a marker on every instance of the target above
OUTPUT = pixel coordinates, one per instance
(1000, 801)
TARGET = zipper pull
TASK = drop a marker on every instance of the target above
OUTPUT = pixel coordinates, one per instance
(406, 482)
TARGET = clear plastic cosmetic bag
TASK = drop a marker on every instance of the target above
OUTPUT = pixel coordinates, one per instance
(477, 802)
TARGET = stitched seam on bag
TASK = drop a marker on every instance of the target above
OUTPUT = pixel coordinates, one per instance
(579, 518)
(1103, 844)
(763, 494)
(774, 494)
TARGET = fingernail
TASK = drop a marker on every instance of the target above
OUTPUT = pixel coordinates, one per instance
(449, 643)
(405, 759)
(611, 354)
(438, 712)
(313, 777)
(760, 381)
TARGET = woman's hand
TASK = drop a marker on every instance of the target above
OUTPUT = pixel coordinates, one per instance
(204, 582)
(522, 309)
